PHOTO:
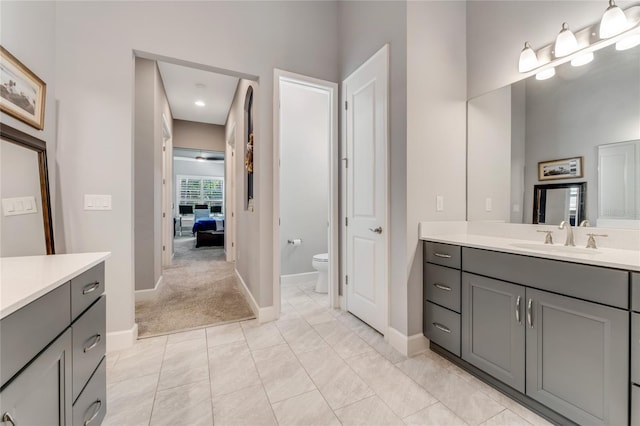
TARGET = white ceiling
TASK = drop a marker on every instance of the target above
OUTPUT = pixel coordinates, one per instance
(180, 85)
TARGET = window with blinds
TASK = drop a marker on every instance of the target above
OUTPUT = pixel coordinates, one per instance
(193, 190)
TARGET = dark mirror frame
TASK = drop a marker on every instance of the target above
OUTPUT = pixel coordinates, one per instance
(40, 147)
(540, 199)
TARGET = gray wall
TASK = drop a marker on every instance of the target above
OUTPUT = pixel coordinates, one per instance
(364, 28)
(436, 136)
(204, 136)
(21, 235)
(304, 175)
(95, 89)
(27, 31)
(150, 103)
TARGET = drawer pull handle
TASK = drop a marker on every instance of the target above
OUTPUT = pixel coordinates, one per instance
(444, 256)
(96, 340)
(442, 286)
(95, 413)
(441, 327)
(518, 310)
(6, 417)
(90, 288)
(530, 313)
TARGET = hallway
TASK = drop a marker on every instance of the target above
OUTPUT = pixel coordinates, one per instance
(199, 289)
(314, 365)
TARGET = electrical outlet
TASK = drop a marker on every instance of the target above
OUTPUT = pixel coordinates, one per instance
(488, 204)
(439, 203)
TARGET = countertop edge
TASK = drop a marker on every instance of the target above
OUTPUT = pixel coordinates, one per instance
(456, 240)
(8, 310)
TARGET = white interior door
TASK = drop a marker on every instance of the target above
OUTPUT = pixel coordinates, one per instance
(367, 258)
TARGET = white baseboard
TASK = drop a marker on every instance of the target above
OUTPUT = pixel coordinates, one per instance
(264, 314)
(147, 294)
(292, 279)
(119, 340)
(407, 345)
(247, 294)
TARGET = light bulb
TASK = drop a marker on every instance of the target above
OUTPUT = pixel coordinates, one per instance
(566, 42)
(546, 74)
(528, 59)
(583, 59)
(628, 42)
(613, 22)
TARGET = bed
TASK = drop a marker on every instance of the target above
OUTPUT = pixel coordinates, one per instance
(209, 232)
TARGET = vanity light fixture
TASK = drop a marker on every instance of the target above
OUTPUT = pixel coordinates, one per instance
(566, 42)
(583, 59)
(546, 74)
(528, 59)
(200, 103)
(618, 27)
(613, 22)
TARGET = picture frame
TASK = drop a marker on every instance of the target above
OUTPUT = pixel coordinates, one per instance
(22, 93)
(566, 168)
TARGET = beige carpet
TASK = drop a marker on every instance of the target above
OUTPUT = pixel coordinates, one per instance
(198, 290)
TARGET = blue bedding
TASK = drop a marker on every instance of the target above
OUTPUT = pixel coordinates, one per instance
(205, 224)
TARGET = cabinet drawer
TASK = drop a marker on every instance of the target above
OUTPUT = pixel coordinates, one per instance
(89, 339)
(635, 348)
(635, 405)
(635, 291)
(442, 286)
(442, 327)
(592, 283)
(86, 288)
(91, 406)
(26, 332)
(442, 254)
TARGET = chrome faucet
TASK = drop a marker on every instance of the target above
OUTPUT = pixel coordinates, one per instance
(567, 226)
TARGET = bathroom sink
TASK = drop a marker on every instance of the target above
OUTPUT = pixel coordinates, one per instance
(549, 248)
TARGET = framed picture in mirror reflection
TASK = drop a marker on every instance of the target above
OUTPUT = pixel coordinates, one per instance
(566, 168)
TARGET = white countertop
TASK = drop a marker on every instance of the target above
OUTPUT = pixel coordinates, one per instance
(25, 279)
(612, 258)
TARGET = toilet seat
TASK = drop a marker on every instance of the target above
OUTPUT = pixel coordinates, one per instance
(322, 257)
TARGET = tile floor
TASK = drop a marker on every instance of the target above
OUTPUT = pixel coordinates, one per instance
(314, 366)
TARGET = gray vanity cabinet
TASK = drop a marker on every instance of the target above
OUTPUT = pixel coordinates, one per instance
(41, 393)
(493, 336)
(577, 358)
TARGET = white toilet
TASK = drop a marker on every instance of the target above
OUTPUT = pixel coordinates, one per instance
(320, 263)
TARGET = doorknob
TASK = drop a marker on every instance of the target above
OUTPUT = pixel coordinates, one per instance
(378, 230)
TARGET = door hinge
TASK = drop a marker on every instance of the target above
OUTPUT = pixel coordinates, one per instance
(346, 221)
(346, 105)
(164, 214)
(278, 222)
(346, 280)
(163, 248)
(164, 148)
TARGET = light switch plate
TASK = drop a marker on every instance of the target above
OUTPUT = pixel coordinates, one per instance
(97, 202)
(488, 204)
(19, 205)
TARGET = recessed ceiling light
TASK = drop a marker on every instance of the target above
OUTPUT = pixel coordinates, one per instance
(200, 103)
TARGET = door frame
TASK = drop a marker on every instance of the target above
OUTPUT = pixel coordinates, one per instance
(167, 194)
(334, 190)
(344, 258)
(230, 194)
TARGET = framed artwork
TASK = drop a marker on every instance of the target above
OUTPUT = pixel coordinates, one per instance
(22, 92)
(567, 168)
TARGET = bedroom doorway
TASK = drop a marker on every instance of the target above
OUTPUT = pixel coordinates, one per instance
(182, 120)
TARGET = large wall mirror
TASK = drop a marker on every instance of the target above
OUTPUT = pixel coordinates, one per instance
(591, 112)
(25, 220)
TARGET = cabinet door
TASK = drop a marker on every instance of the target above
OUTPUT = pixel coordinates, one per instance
(493, 335)
(578, 358)
(41, 394)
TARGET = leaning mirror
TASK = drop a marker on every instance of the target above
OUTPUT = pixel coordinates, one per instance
(25, 222)
(590, 113)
